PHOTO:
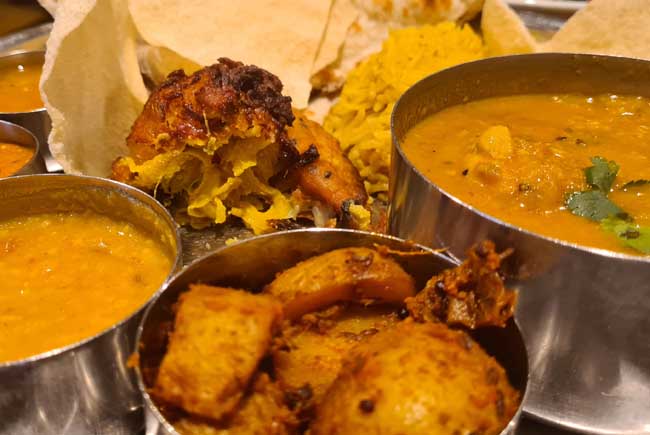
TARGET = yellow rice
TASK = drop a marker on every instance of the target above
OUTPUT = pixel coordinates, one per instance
(361, 118)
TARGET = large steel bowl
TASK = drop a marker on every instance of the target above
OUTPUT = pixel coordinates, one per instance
(86, 387)
(585, 313)
(254, 262)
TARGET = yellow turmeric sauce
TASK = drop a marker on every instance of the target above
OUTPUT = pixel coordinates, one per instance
(13, 157)
(68, 276)
(19, 87)
(517, 158)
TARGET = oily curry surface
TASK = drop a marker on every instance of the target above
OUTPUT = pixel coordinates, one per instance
(520, 159)
(13, 157)
(19, 87)
(68, 276)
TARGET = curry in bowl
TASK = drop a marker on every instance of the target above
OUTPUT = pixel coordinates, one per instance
(13, 157)
(572, 167)
(19, 86)
(67, 276)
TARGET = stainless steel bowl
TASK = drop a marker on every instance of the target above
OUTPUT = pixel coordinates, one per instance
(13, 133)
(585, 313)
(87, 387)
(254, 262)
(37, 121)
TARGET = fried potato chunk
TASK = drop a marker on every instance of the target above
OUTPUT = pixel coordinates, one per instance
(472, 294)
(348, 274)
(309, 355)
(262, 412)
(219, 337)
(417, 378)
(328, 176)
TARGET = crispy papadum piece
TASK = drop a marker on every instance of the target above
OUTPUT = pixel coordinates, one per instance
(348, 274)
(261, 412)
(308, 356)
(417, 378)
(472, 294)
(220, 335)
(330, 177)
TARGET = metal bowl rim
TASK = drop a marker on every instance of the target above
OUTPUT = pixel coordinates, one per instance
(519, 58)
(176, 265)
(21, 52)
(37, 146)
(151, 406)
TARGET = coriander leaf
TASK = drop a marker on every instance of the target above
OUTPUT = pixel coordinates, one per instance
(592, 204)
(635, 183)
(602, 174)
(630, 234)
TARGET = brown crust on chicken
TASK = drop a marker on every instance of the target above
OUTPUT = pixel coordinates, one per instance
(220, 101)
(472, 294)
(330, 177)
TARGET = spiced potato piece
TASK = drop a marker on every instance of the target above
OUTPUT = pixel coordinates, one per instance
(417, 378)
(261, 412)
(348, 274)
(309, 355)
(219, 337)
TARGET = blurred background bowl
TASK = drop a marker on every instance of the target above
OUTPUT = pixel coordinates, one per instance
(36, 121)
(87, 387)
(254, 262)
(584, 313)
(16, 134)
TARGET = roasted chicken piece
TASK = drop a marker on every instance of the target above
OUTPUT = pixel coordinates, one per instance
(417, 378)
(472, 295)
(219, 337)
(261, 412)
(307, 358)
(325, 173)
(348, 274)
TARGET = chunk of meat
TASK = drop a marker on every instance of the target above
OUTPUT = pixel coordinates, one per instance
(310, 352)
(472, 294)
(417, 378)
(348, 274)
(261, 412)
(329, 177)
(219, 337)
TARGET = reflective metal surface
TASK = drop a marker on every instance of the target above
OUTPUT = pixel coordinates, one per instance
(16, 134)
(254, 262)
(36, 121)
(85, 388)
(584, 313)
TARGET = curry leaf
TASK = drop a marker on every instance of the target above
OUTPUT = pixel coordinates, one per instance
(602, 174)
(628, 233)
(592, 204)
(635, 183)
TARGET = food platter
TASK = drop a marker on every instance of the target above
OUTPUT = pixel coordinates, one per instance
(248, 161)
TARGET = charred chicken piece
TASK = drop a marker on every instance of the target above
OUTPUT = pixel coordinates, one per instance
(219, 337)
(261, 412)
(348, 274)
(325, 173)
(417, 378)
(308, 355)
(472, 295)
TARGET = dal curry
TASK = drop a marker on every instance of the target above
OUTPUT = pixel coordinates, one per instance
(13, 157)
(19, 87)
(526, 160)
(75, 274)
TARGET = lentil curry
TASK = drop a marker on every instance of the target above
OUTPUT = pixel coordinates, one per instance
(13, 157)
(68, 276)
(571, 167)
(19, 87)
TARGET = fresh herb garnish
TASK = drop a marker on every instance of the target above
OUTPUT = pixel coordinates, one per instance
(592, 204)
(602, 174)
(628, 233)
(635, 183)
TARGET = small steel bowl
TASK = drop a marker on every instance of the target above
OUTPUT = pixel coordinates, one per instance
(37, 121)
(16, 134)
(585, 313)
(86, 387)
(254, 262)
